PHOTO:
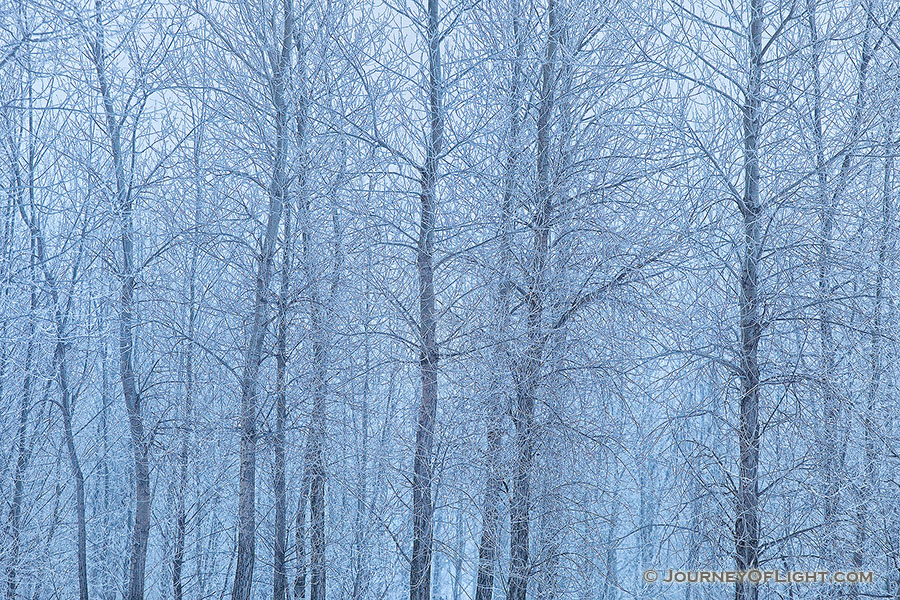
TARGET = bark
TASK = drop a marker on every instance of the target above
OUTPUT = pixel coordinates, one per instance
(300, 530)
(437, 568)
(315, 452)
(826, 339)
(15, 505)
(360, 525)
(529, 370)
(868, 475)
(74, 463)
(246, 542)
(187, 410)
(746, 529)
(8, 231)
(103, 425)
(458, 556)
(133, 401)
(360, 547)
(315, 471)
(487, 549)
(300, 539)
(317, 530)
(48, 541)
(317, 526)
(279, 575)
(17, 187)
(423, 506)
(646, 516)
(832, 453)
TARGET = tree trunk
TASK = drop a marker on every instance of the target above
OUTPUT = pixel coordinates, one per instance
(75, 464)
(51, 534)
(246, 542)
(108, 583)
(458, 556)
(103, 426)
(315, 450)
(528, 372)
(314, 471)
(300, 531)
(826, 339)
(279, 574)
(423, 506)
(133, 401)
(300, 539)
(746, 529)
(487, 549)
(8, 233)
(185, 454)
(38, 257)
(317, 480)
(832, 454)
(361, 522)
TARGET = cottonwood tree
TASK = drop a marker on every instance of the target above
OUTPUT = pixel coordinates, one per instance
(429, 353)
(317, 71)
(267, 60)
(831, 188)
(123, 98)
(753, 38)
(426, 19)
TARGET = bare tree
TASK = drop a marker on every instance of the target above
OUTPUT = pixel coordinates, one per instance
(124, 205)
(746, 528)
(487, 550)
(186, 451)
(527, 373)
(429, 354)
(278, 189)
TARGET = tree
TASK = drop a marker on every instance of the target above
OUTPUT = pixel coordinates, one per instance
(429, 354)
(124, 204)
(278, 189)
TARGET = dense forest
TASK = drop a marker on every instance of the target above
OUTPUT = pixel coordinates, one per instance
(447, 299)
